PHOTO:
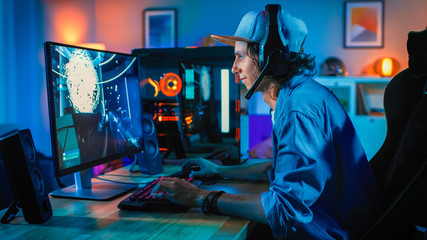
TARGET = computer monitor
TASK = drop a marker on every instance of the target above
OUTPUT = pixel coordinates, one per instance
(95, 114)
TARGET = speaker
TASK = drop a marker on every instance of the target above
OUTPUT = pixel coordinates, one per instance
(25, 178)
(150, 161)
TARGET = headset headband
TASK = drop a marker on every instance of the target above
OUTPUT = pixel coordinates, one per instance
(273, 52)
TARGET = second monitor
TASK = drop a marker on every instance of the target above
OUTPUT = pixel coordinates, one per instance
(95, 114)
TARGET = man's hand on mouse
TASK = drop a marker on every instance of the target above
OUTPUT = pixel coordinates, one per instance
(225, 153)
(207, 168)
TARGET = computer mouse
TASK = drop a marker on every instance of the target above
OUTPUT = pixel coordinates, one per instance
(191, 167)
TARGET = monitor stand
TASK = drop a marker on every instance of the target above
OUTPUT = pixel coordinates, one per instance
(84, 188)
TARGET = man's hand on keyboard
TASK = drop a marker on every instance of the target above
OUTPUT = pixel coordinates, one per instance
(179, 191)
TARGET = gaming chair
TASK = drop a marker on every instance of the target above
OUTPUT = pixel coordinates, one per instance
(400, 164)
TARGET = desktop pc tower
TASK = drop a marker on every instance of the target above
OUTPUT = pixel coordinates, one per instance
(194, 99)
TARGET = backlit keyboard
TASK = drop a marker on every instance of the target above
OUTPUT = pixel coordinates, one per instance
(141, 199)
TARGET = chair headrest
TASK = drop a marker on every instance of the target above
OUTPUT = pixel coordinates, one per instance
(417, 50)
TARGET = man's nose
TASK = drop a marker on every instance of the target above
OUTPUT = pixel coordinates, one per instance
(235, 69)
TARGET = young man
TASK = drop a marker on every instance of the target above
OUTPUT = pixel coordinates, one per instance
(321, 186)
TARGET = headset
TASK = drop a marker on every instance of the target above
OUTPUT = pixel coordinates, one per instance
(273, 53)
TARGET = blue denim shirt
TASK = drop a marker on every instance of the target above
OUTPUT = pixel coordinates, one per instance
(321, 186)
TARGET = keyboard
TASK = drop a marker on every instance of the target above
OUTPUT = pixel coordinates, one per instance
(141, 199)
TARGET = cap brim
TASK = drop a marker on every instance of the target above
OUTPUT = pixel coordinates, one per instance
(229, 40)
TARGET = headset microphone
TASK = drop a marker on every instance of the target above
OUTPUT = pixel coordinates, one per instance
(273, 54)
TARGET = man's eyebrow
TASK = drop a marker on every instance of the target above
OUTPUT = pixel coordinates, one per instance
(238, 52)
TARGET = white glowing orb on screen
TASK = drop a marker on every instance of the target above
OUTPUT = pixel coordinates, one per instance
(82, 82)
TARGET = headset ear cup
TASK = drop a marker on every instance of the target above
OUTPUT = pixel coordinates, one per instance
(273, 42)
(283, 68)
(273, 52)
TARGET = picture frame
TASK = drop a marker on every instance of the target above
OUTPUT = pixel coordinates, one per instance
(363, 24)
(159, 28)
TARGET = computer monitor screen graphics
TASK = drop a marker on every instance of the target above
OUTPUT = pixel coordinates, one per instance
(94, 109)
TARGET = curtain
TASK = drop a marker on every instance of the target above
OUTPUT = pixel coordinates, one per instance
(23, 99)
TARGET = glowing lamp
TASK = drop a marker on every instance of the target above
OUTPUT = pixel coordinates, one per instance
(386, 67)
(98, 46)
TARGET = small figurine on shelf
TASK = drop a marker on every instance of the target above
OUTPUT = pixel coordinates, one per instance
(333, 66)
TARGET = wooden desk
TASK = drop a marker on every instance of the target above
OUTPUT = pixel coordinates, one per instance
(85, 219)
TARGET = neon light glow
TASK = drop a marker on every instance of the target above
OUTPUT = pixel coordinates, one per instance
(170, 84)
(189, 80)
(156, 86)
(205, 82)
(168, 119)
(189, 120)
(225, 101)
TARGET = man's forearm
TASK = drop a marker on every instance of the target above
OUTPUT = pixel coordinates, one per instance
(254, 171)
(244, 206)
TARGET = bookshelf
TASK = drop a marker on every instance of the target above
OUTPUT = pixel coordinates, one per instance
(362, 97)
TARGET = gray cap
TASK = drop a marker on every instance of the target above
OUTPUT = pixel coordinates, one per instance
(253, 26)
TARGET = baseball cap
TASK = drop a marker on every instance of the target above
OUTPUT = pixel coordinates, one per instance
(253, 26)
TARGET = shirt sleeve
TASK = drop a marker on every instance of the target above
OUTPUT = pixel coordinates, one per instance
(300, 171)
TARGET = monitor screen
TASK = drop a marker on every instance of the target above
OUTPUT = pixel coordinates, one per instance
(94, 106)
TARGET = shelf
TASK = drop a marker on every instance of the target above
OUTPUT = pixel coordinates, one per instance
(362, 98)
(358, 95)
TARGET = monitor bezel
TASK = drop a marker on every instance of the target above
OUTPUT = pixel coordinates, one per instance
(52, 116)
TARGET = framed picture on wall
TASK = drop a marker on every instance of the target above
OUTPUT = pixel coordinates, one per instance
(159, 28)
(363, 24)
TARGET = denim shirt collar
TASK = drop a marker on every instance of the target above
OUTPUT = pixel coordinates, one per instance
(286, 91)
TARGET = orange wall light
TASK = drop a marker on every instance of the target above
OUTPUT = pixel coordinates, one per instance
(70, 24)
(386, 67)
(98, 46)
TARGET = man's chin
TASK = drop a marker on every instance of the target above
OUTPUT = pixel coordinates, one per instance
(247, 85)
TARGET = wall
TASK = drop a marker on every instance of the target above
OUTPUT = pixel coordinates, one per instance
(118, 24)
(21, 72)
(3, 101)
(69, 21)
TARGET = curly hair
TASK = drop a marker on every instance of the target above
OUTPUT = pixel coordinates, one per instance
(299, 64)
